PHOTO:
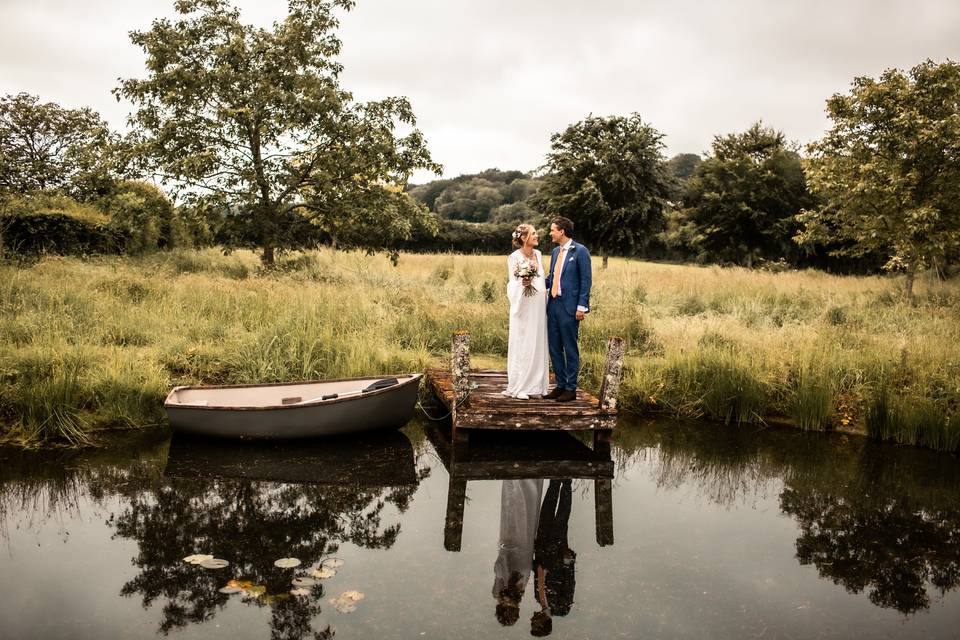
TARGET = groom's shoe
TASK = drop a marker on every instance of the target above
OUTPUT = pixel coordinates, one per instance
(553, 395)
(567, 396)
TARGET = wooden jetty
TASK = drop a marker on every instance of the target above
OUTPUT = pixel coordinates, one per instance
(519, 456)
(474, 400)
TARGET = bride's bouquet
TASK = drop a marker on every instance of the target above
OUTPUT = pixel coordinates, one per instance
(526, 269)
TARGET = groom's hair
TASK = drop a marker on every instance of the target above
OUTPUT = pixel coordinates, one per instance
(564, 224)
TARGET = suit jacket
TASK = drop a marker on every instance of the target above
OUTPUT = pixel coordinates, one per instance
(575, 279)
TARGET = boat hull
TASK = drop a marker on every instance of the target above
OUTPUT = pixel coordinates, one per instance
(386, 409)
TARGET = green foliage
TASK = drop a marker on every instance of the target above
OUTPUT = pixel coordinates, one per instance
(144, 215)
(488, 196)
(254, 121)
(812, 398)
(55, 224)
(44, 146)
(889, 169)
(743, 199)
(456, 236)
(608, 176)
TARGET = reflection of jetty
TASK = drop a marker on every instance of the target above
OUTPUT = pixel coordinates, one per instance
(474, 400)
(515, 456)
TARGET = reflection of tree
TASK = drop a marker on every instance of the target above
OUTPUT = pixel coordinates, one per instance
(872, 517)
(888, 545)
(251, 524)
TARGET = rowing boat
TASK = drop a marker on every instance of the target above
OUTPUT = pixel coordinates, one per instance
(294, 409)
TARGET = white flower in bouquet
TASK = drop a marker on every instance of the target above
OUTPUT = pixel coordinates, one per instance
(526, 269)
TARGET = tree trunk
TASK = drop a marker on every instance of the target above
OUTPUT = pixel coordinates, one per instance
(267, 258)
(606, 260)
(909, 285)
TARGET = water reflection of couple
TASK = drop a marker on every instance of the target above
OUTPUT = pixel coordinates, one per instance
(533, 539)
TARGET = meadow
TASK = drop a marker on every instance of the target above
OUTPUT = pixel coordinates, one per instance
(96, 343)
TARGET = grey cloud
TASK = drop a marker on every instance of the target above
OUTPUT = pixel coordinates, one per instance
(490, 81)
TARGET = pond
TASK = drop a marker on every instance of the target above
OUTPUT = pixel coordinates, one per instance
(679, 531)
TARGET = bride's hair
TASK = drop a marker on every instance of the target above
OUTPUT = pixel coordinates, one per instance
(520, 234)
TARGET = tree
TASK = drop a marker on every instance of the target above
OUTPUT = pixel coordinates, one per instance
(681, 168)
(889, 169)
(44, 146)
(743, 198)
(608, 176)
(255, 120)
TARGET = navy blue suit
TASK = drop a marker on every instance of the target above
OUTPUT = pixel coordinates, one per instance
(563, 328)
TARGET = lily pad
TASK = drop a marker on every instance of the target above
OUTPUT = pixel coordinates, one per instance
(255, 590)
(323, 573)
(215, 563)
(197, 558)
(347, 601)
(300, 592)
(287, 563)
(333, 563)
(230, 589)
(303, 582)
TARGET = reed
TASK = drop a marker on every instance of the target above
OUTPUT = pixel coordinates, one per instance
(723, 343)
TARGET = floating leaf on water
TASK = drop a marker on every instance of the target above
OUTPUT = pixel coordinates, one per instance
(323, 573)
(303, 582)
(197, 558)
(255, 590)
(230, 589)
(353, 596)
(215, 563)
(287, 563)
(299, 592)
(347, 601)
(333, 563)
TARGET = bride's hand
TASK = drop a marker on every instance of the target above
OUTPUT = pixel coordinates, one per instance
(526, 281)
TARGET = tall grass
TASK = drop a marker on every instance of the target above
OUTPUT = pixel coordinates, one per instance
(728, 344)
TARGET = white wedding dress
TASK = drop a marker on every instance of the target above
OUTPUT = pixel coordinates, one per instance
(528, 373)
(519, 515)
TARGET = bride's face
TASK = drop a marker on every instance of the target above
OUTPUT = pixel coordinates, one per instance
(532, 239)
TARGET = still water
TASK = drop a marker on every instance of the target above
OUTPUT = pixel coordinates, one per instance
(679, 531)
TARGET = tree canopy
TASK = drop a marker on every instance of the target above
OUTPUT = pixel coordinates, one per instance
(44, 146)
(744, 197)
(254, 120)
(489, 196)
(608, 175)
(889, 169)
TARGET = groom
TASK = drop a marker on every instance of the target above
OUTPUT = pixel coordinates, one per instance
(568, 301)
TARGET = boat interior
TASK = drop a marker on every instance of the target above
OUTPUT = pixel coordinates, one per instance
(281, 394)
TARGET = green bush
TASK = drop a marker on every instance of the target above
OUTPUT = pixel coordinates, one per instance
(58, 225)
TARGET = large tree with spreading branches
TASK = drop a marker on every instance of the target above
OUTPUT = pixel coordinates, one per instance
(254, 121)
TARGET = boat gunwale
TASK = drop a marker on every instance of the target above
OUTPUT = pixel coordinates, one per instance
(414, 377)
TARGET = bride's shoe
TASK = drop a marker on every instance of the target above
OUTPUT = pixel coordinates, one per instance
(507, 394)
(522, 396)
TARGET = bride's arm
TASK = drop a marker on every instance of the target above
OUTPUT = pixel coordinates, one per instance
(514, 286)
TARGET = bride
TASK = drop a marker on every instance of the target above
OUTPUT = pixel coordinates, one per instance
(527, 370)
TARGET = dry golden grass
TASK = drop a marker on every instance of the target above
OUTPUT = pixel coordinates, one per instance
(87, 344)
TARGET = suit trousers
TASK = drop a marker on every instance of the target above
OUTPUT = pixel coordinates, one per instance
(563, 332)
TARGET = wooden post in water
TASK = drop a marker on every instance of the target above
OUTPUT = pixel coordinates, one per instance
(603, 504)
(612, 373)
(460, 376)
(609, 390)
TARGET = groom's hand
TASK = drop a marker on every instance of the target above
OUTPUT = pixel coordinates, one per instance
(580, 315)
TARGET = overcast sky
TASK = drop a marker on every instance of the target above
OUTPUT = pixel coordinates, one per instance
(490, 80)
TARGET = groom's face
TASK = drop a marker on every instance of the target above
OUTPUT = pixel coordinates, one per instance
(557, 235)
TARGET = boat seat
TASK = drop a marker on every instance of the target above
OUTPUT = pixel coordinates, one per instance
(381, 384)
